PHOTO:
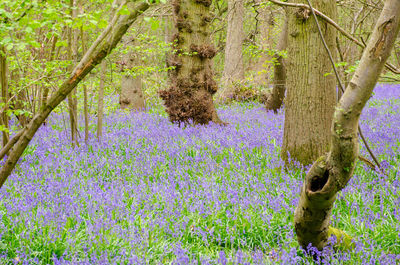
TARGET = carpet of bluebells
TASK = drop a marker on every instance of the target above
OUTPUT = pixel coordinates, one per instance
(155, 193)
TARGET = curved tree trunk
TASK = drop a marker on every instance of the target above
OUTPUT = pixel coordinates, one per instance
(275, 99)
(331, 173)
(311, 93)
(189, 98)
(131, 96)
(233, 65)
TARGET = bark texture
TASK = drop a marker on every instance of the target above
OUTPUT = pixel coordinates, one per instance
(100, 103)
(98, 51)
(331, 173)
(189, 97)
(311, 94)
(131, 96)
(275, 99)
(4, 94)
(72, 97)
(233, 65)
(266, 17)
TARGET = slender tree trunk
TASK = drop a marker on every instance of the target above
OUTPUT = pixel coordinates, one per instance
(275, 99)
(311, 93)
(233, 65)
(100, 106)
(45, 92)
(331, 173)
(4, 94)
(85, 92)
(189, 98)
(86, 113)
(19, 101)
(97, 52)
(131, 96)
(72, 97)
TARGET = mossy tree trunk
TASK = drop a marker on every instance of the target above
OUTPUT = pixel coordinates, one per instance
(331, 173)
(189, 97)
(275, 99)
(4, 94)
(311, 93)
(233, 64)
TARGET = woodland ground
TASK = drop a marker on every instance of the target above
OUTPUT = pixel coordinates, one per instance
(155, 193)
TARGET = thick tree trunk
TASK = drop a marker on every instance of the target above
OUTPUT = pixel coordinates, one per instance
(100, 104)
(331, 173)
(233, 65)
(275, 99)
(189, 98)
(311, 93)
(4, 94)
(131, 96)
(267, 19)
(97, 52)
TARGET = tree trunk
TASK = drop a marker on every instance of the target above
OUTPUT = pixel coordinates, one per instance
(97, 52)
(19, 101)
(275, 99)
(331, 173)
(4, 94)
(72, 97)
(131, 96)
(100, 104)
(311, 93)
(233, 65)
(267, 20)
(189, 98)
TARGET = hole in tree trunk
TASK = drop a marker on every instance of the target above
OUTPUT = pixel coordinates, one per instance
(318, 182)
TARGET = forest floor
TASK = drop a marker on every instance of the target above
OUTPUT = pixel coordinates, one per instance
(155, 193)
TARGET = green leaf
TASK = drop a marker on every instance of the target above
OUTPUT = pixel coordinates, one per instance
(9, 46)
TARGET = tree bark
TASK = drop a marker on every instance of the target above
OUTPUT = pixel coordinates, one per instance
(311, 93)
(233, 65)
(131, 96)
(331, 173)
(4, 94)
(275, 99)
(189, 98)
(92, 58)
(100, 104)
(72, 97)
(267, 20)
